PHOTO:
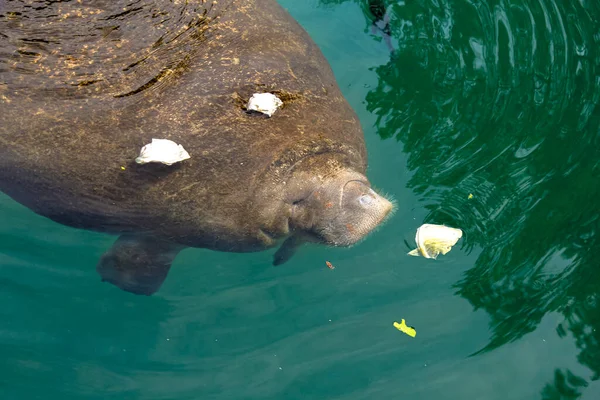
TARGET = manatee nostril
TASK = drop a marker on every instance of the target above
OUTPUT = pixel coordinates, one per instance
(366, 200)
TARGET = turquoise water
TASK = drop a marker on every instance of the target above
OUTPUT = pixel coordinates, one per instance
(494, 99)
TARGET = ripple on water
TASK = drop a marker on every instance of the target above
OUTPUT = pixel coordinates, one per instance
(476, 91)
(496, 105)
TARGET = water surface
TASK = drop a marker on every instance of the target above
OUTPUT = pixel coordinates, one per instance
(482, 115)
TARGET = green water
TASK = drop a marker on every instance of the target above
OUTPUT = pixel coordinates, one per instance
(498, 99)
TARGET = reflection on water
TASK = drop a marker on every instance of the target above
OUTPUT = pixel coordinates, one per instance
(499, 99)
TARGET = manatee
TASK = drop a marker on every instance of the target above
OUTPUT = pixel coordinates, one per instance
(84, 85)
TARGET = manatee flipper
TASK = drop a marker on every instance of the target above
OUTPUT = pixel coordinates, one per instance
(287, 249)
(138, 264)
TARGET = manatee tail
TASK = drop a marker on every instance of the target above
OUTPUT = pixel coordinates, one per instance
(138, 264)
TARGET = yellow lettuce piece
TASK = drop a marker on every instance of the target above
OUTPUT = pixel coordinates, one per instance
(402, 327)
(435, 239)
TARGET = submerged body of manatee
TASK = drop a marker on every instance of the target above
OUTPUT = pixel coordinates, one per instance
(230, 177)
(477, 115)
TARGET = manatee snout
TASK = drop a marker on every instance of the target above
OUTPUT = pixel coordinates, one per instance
(360, 211)
(344, 210)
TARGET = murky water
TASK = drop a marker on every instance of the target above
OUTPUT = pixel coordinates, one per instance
(481, 115)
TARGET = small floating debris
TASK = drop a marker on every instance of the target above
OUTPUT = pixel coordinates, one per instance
(470, 196)
(435, 239)
(402, 327)
(266, 103)
(162, 151)
(329, 265)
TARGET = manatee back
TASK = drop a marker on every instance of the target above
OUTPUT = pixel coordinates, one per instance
(69, 71)
(95, 48)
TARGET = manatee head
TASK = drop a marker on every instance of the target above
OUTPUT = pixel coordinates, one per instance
(341, 209)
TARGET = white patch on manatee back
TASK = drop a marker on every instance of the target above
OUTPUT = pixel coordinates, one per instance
(266, 103)
(162, 151)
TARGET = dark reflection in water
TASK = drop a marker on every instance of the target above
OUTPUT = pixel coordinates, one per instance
(499, 99)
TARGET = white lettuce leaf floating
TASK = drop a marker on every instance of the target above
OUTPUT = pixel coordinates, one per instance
(435, 239)
(162, 151)
(266, 103)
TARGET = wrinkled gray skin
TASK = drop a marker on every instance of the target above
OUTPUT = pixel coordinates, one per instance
(84, 85)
